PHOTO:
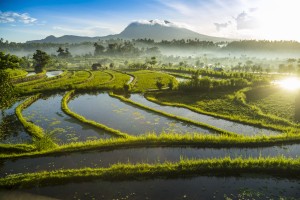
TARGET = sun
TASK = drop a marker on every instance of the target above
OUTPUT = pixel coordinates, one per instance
(291, 84)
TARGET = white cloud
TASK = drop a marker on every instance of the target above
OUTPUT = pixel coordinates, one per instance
(163, 23)
(14, 17)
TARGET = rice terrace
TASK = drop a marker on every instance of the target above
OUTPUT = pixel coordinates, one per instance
(154, 111)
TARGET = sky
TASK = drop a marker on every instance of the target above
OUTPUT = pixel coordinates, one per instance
(23, 20)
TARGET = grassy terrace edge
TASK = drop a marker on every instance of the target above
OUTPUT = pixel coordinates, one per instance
(64, 105)
(248, 122)
(16, 148)
(42, 141)
(32, 129)
(278, 166)
(164, 140)
(200, 124)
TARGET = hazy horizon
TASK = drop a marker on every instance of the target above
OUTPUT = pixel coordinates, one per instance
(21, 21)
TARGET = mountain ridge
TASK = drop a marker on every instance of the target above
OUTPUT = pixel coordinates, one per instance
(153, 29)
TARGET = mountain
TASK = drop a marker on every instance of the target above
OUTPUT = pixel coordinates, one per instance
(65, 39)
(154, 29)
(162, 30)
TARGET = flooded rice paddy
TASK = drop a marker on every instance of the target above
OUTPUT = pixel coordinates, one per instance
(127, 118)
(136, 155)
(46, 112)
(213, 121)
(11, 129)
(201, 187)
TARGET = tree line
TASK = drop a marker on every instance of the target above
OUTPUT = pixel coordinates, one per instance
(119, 45)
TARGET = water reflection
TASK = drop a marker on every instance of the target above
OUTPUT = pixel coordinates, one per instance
(46, 112)
(11, 129)
(217, 122)
(127, 118)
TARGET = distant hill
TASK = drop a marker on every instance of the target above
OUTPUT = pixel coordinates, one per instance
(163, 30)
(65, 39)
(154, 29)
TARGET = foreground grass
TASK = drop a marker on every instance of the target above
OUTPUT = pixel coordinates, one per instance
(225, 166)
(165, 140)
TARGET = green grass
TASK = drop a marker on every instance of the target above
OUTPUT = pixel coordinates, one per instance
(44, 79)
(132, 84)
(274, 101)
(146, 80)
(31, 128)
(226, 105)
(98, 78)
(16, 73)
(41, 140)
(273, 166)
(23, 79)
(62, 83)
(166, 140)
(16, 148)
(118, 82)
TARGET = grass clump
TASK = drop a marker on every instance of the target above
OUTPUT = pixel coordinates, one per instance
(41, 140)
(282, 166)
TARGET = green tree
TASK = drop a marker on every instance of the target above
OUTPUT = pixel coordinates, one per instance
(41, 59)
(159, 84)
(111, 65)
(67, 53)
(99, 49)
(96, 66)
(126, 87)
(7, 93)
(152, 61)
(61, 52)
(195, 78)
(171, 84)
(24, 63)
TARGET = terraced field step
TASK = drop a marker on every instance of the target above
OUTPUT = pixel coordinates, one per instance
(202, 187)
(213, 121)
(152, 155)
(127, 118)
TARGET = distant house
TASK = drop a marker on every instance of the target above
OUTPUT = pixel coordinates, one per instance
(96, 66)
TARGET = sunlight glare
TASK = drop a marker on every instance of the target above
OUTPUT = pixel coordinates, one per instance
(292, 83)
(278, 19)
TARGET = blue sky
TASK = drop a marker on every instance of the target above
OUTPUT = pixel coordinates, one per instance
(22, 20)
